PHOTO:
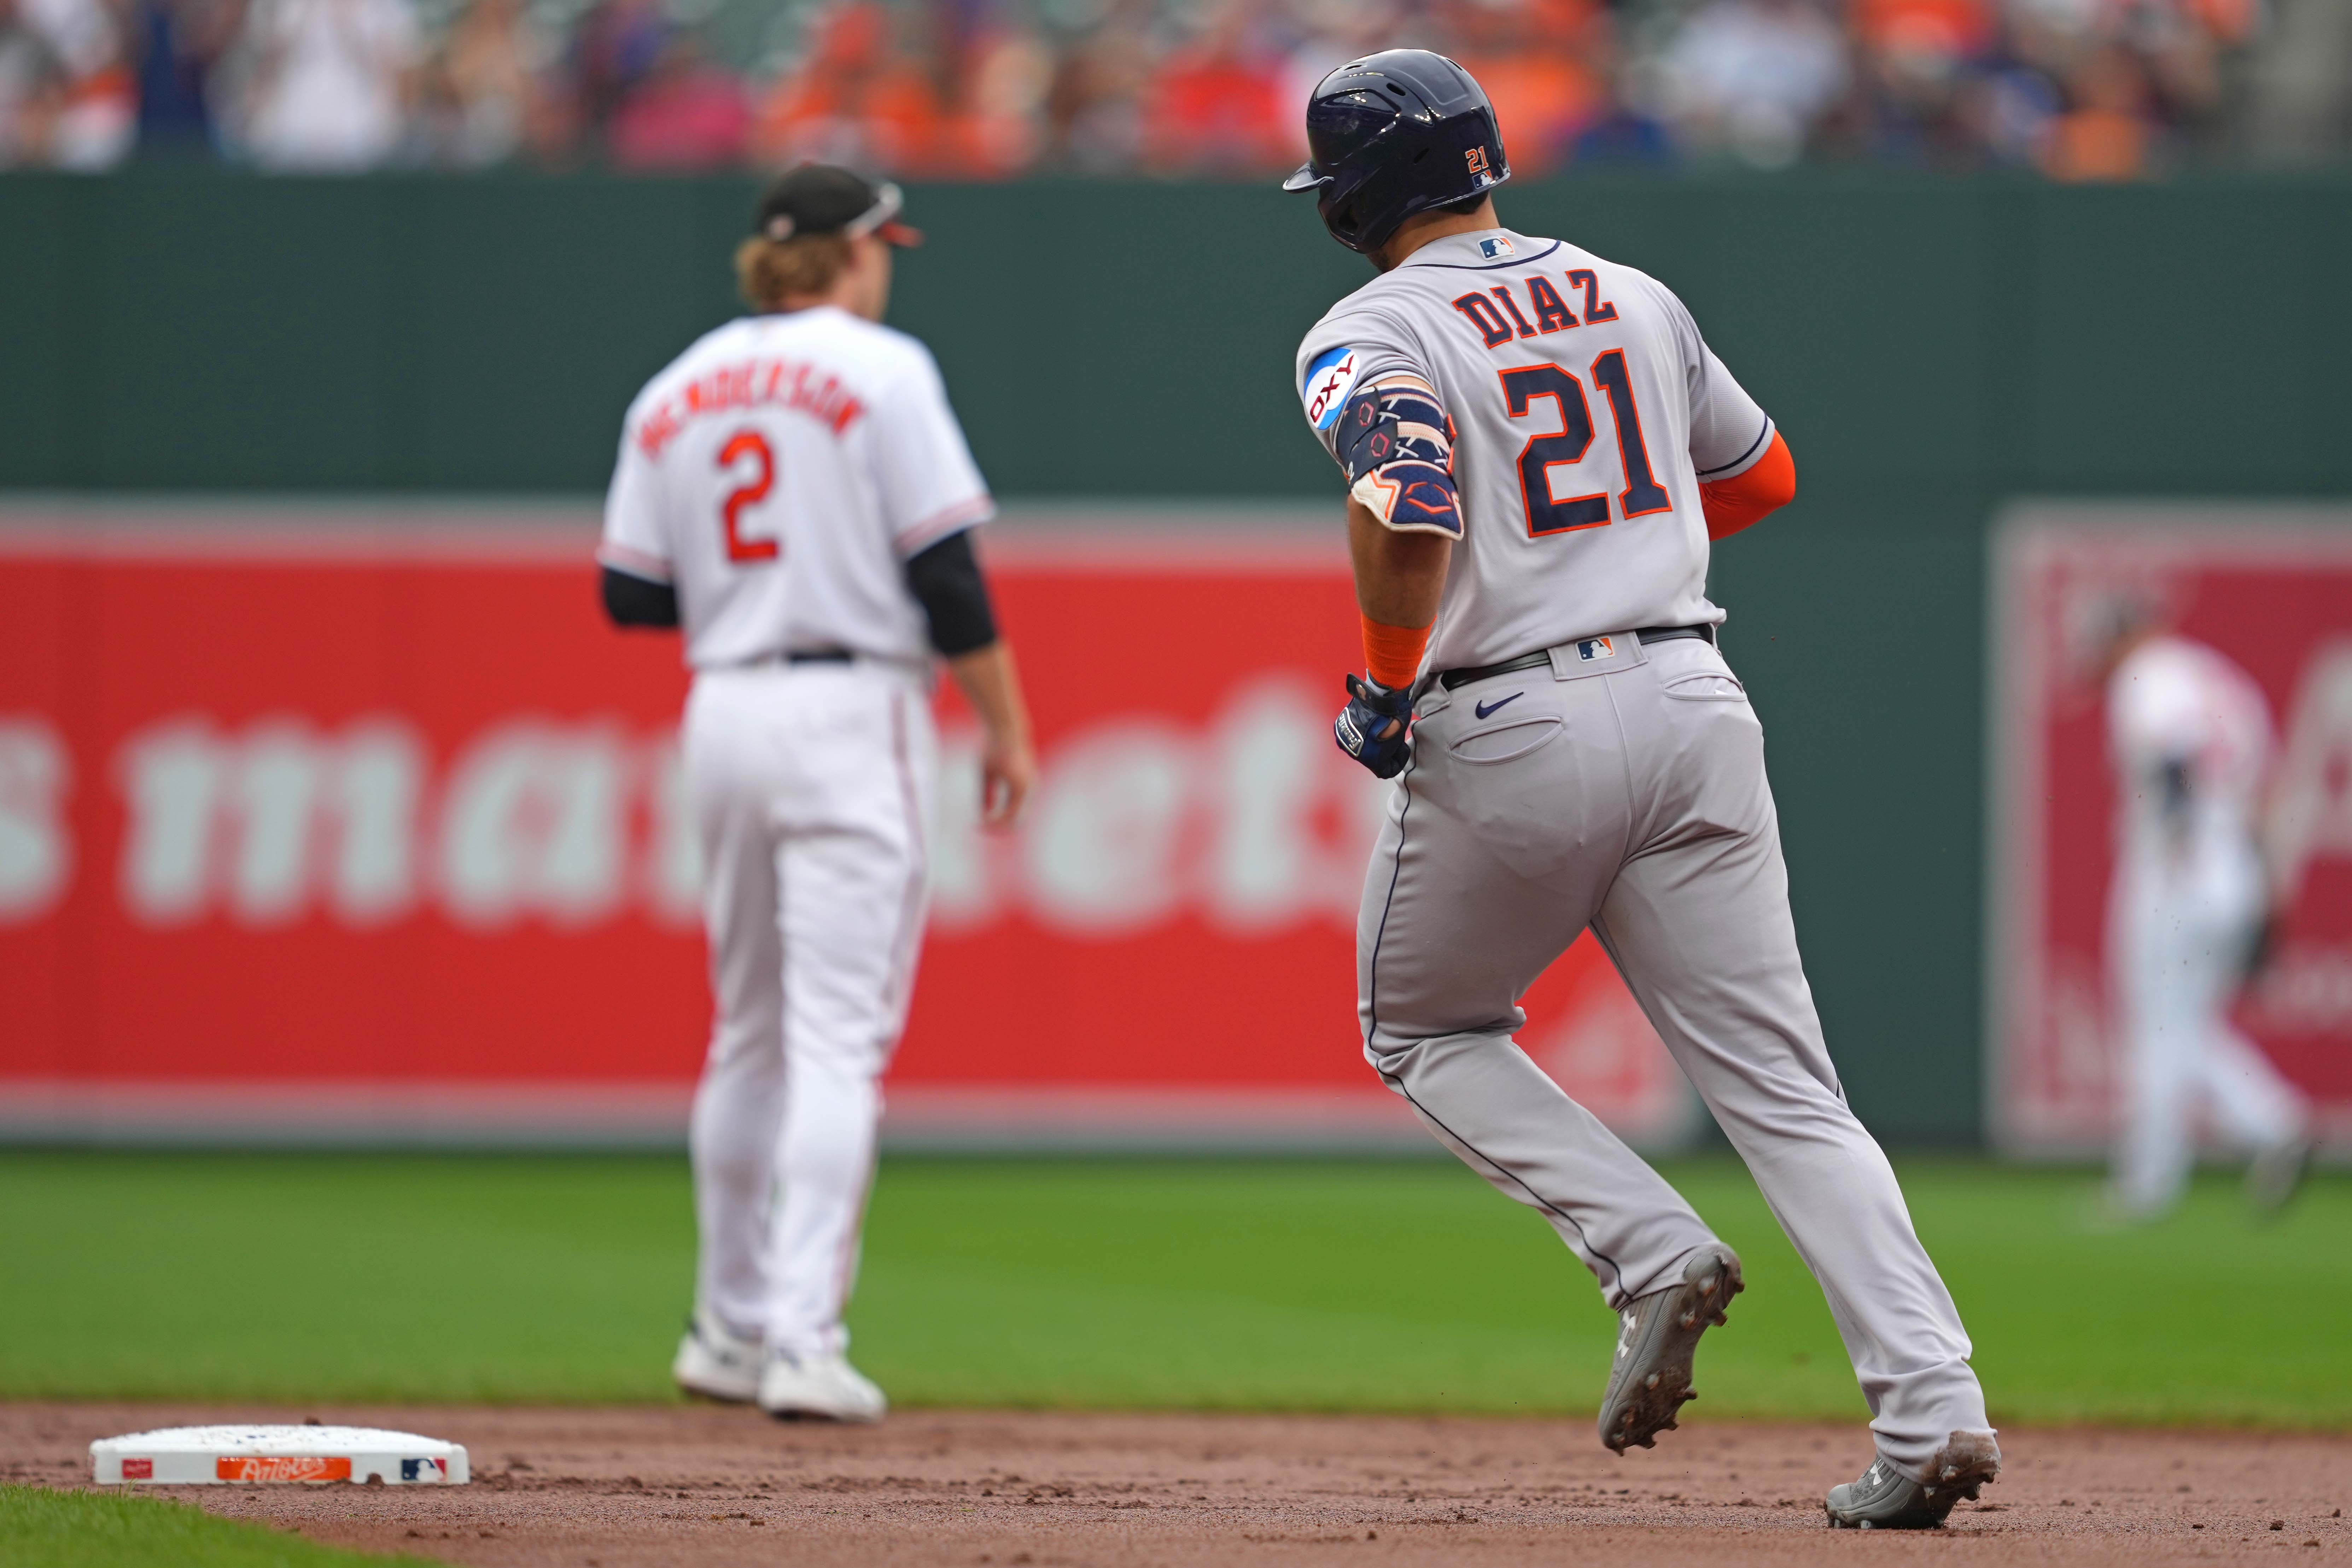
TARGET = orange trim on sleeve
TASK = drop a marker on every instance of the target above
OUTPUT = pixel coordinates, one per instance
(1769, 484)
(1393, 654)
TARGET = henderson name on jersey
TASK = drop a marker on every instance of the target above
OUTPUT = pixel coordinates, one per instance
(767, 442)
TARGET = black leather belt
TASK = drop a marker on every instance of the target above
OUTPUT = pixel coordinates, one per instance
(1450, 679)
(800, 656)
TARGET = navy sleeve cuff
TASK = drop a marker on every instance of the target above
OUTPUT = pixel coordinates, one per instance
(633, 601)
(946, 581)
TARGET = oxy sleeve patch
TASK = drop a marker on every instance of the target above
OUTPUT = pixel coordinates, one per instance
(1329, 378)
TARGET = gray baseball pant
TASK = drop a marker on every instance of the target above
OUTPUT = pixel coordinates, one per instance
(1623, 788)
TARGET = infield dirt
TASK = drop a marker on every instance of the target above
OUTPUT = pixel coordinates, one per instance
(699, 1487)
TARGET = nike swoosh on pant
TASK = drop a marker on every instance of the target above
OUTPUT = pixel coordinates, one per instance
(1486, 707)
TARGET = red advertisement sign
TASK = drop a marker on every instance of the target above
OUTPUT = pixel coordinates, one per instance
(368, 824)
(2272, 589)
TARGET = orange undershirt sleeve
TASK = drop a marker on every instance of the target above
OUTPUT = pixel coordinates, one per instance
(1769, 484)
(1393, 654)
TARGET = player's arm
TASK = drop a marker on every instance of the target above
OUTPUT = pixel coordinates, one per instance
(635, 580)
(1400, 577)
(1744, 470)
(947, 581)
(1395, 443)
(1008, 761)
(1752, 495)
(932, 495)
(633, 601)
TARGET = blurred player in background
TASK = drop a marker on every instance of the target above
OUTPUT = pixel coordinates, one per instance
(795, 490)
(2188, 914)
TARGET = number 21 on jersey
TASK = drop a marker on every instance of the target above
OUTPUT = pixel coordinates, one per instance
(1526, 387)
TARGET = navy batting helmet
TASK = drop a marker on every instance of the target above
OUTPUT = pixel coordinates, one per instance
(1393, 134)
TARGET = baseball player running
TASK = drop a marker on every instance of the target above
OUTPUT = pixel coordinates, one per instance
(795, 492)
(2190, 733)
(1538, 447)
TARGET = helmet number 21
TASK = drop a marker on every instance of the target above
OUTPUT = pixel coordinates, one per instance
(741, 445)
(1527, 385)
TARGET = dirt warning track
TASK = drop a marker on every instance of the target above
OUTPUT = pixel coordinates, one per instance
(699, 1488)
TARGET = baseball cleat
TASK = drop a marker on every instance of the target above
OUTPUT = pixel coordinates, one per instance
(1657, 1335)
(1886, 1498)
(2276, 1172)
(824, 1388)
(714, 1363)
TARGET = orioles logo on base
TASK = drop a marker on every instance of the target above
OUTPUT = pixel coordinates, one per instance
(281, 1468)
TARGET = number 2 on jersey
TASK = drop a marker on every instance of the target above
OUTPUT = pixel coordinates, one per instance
(744, 444)
(1525, 386)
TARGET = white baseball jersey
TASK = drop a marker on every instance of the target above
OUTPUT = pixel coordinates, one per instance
(2176, 701)
(779, 473)
(1587, 411)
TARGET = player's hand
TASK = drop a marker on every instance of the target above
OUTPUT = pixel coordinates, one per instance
(1376, 726)
(1007, 771)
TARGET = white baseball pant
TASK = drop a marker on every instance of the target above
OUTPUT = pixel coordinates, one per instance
(1626, 790)
(2178, 942)
(810, 785)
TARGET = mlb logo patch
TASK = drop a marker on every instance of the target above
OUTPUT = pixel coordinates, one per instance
(1498, 246)
(1591, 648)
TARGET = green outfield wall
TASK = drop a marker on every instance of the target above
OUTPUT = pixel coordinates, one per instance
(1931, 346)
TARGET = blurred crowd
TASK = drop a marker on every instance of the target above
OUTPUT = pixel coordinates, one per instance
(995, 89)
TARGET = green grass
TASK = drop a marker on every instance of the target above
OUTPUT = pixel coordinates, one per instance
(1244, 1285)
(44, 1528)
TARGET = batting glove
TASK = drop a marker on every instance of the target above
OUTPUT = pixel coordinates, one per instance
(1376, 726)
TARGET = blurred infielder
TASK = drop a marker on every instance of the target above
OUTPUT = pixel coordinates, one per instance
(2189, 734)
(794, 489)
(1538, 447)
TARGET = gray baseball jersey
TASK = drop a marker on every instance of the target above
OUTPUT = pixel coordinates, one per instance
(1619, 785)
(1587, 411)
